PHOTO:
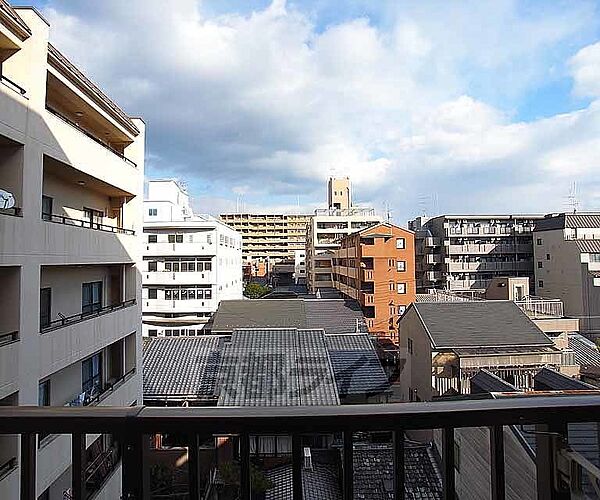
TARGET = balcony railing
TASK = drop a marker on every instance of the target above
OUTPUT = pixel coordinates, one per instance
(551, 413)
(12, 85)
(68, 221)
(91, 136)
(8, 466)
(77, 318)
(538, 307)
(8, 338)
(14, 211)
(93, 397)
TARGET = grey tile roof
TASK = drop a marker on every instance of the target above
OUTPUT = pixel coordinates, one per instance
(484, 381)
(286, 367)
(320, 483)
(181, 367)
(335, 315)
(586, 352)
(374, 472)
(478, 324)
(588, 246)
(561, 221)
(550, 380)
(356, 366)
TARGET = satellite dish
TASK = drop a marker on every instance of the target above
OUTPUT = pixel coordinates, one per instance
(7, 200)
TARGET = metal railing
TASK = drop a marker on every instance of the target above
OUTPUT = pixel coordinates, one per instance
(77, 318)
(130, 425)
(14, 211)
(9, 338)
(8, 466)
(68, 221)
(12, 85)
(538, 307)
(93, 397)
(62, 117)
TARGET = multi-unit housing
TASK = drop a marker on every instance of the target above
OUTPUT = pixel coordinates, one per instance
(327, 227)
(567, 265)
(465, 252)
(268, 237)
(71, 169)
(190, 263)
(376, 267)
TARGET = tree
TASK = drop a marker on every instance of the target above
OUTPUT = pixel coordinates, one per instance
(255, 290)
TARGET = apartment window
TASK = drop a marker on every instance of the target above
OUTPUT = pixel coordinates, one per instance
(401, 287)
(176, 238)
(541, 284)
(93, 217)
(540, 264)
(152, 212)
(91, 297)
(392, 310)
(152, 266)
(539, 241)
(400, 243)
(47, 202)
(548, 257)
(153, 333)
(401, 266)
(152, 238)
(91, 374)
(409, 345)
(152, 293)
(401, 310)
(594, 257)
(45, 306)
(391, 286)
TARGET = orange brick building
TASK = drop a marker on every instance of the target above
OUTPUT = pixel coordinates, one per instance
(376, 266)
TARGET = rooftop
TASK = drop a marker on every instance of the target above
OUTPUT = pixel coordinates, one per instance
(573, 221)
(588, 246)
(586, 352)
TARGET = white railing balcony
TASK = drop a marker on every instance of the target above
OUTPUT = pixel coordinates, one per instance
(180, 278)
(538, 307)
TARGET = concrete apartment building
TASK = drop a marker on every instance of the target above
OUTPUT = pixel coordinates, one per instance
(190, 264)
(567, 265)
(465, 252)
(269, 237)
(376, 267)
(73, 163)
(327, 227)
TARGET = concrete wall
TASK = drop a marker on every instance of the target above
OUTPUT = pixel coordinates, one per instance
(416, 372)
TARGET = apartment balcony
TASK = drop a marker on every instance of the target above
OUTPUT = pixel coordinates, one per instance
(431, 242)
(10, 292)
(455, 267)
(182, 249)
(488, 248)
(179, 306)
(367, 298)
(9, 363)
(432, 276)
(541, 308)
(179, 278)
(14, 104)
(550, 413)
(433, 258)
(467, 284)
(366, 274)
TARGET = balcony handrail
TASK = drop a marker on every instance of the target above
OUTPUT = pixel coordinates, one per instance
(7, 466)
(14, 211)
(93, 397)
(79, 317)
(62, 117)
(69, 221)
(13, 85)
(9, 337)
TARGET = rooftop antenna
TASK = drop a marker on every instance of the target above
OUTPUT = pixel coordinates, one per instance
(423, 203)
(388, 212)
(572, 198)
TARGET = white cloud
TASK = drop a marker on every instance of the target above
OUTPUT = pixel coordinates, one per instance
(585, 66)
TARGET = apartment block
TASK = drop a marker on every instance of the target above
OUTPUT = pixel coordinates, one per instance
(270, 237)
(567, 265)
(465, 252)
(71, 173)
(376, 267)
(190, 264)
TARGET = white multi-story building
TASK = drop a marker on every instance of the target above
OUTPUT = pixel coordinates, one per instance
(300, 267)
(70, 332)
(191, 263)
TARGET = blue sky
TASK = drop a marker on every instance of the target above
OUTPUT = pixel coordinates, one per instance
(429, 106)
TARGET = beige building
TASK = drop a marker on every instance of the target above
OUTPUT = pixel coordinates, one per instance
(339, 195)
(567, 265)
(71, 175)
(269, 236)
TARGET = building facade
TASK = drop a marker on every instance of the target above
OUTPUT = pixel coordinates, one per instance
(567, 265)
(376, 267)
(465, 252)
(73, 163)
(190, 263)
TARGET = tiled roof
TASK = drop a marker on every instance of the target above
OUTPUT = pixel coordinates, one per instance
(335, 315)
(588, 246)
(320, 483)
(551, 380)
(586, 352)
(561, 221)
(286, 367)
(478, 324)
(374, 472)
(356, 366)
(181, 367)
(484, 381)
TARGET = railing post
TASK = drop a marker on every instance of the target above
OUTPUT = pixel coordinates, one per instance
(135, 475)
(245, 479)
(399, 465)
(297, 465)
(28, 466)
(547, 438)
(497, 469)
(348, 466)
(78, 460)
(194, 466)
(448, 462)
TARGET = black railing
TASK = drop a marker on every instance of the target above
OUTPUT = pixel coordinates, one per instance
(97, 472)
(129, 425)
(8, 466)
(95, 396)
(8, 338)
(77, 318)
(12, 85)
(68, 221)
(14, 211)
(62, 117)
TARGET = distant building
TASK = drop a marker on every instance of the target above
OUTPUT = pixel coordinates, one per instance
(465, 252)
(339, 196)
(567, 265)
(300, 267)
(191, 263)
(376, 267)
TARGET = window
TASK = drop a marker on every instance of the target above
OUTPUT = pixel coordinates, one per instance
(171, 238)
(391, 286)
(153, 333)
(540, 264)
(47, 208)
(44, 393)
(401, 266)
(91, 374)
(401, 310)
(179, 238)
(152, 293)
(152, 212)
(152, 266)
(409, 345)
(45, 307)
(594, 257)
(401, 287)
(541, 284)
(152, 238)
(548, 256)
(539, 241)
(91, 297)
(400, 243)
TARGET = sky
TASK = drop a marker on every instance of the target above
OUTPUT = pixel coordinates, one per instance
(429, 107)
